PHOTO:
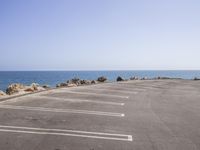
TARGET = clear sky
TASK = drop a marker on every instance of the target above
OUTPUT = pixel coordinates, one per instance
(99, 34)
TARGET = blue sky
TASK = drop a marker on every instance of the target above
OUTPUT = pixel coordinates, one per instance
(99, 34)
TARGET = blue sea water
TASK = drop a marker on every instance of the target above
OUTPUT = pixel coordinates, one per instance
(53, 77)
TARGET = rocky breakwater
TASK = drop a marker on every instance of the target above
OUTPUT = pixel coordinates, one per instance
(78, 82)
(18, 88)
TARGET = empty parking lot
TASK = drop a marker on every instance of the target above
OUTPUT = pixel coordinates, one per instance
(132, 115)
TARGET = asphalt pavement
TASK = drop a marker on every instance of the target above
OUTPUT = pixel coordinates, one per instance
(131, 115)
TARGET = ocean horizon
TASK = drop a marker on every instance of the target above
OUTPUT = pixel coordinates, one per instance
(52, 78)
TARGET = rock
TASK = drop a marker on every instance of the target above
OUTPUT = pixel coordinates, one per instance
(29, 89)
(119, 79)
(76, 81)
(66, 85)
(144, 78)
(162, 78)
(62, 84)
(71, 85)
(2, 93)
(46, 86)
(40, 88)
(85, 82)
(14, 88)
(58, 85)
(158, 78)
(134, 78)
(21, 89)
(196, 78)
(102, 79)
(94, 82)
(35, 86)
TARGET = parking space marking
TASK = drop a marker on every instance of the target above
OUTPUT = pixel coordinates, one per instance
(63, 110)
(14, 100)
(127, 89)
(89, 93)
(79, 100)
(119, 91)
(62, 132)
(135, 88)
(146, 87)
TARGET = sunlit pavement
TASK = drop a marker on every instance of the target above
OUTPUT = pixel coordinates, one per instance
(133, 115)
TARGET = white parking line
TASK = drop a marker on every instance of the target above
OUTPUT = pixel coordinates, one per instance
(62, 110)
(78, 100)
(122, 88)
(135, 88)
(89, 93)
(75, 133)
(13, 100)
(146, 87)
(112, 90)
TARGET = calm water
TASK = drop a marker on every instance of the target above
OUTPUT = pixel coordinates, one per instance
(53, 77)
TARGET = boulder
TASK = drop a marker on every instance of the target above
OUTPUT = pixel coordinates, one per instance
(34, 86)
(2, 93)
(94, 82)
(66, 85)
(196, 78)
(85, 82)
(119, 79)
(134, 78)
(22, 89)
(71, 85)
(14, 88)
(102, 79)
(163, 78)
(39, 88)
(29, 89)
(46, 86)
(144, 78)
(76, 81)
(62, 84)
(58, 85)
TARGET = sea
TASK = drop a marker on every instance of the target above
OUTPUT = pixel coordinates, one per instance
(52, 78)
